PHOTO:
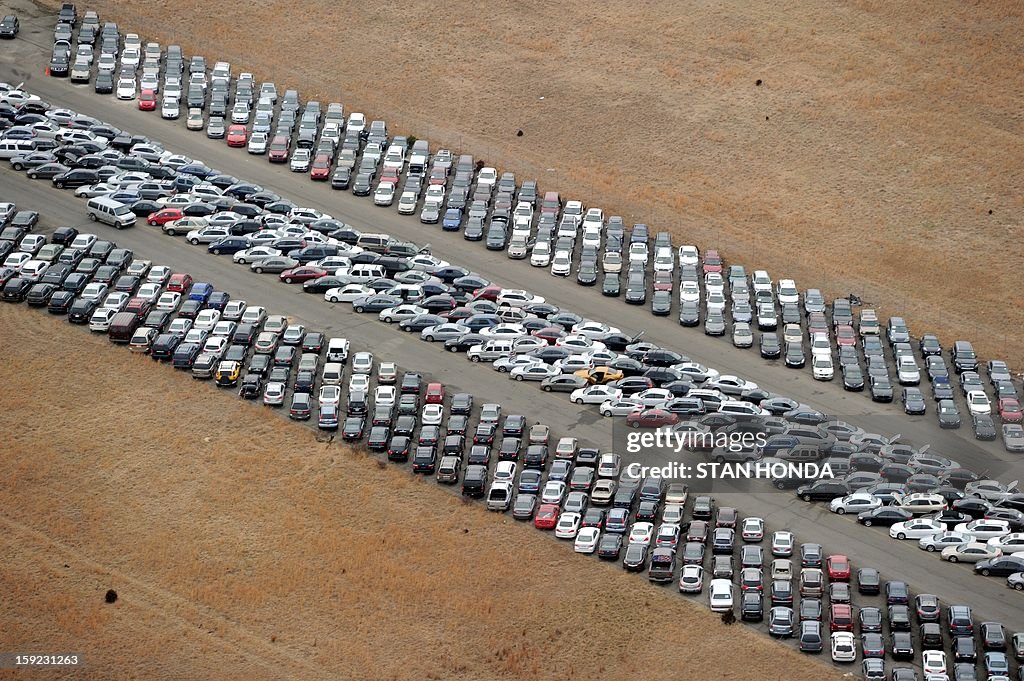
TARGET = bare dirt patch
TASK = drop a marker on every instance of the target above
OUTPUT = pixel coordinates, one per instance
(241, 548)
(862, 146)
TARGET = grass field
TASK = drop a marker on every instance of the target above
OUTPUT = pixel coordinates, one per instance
(242, 548)
(862, 146)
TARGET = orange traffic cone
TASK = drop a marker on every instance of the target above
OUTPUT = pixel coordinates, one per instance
(47, 72)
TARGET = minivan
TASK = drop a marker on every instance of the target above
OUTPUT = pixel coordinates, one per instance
(110, 212)
(123, 326)
(11, 148)
(378, 243)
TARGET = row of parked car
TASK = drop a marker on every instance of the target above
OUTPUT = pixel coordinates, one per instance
(581, 494)
(339, 147)
(298, 226)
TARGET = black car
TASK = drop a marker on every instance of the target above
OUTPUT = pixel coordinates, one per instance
(823, 490)
(868, 581)
(60, 302)
(752, 606)
(16, 290)
(9, 26)
(39, 294)
(104, 83)
(884, 516)
(770, 346)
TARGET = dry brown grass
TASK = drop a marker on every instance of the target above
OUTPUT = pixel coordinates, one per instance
(241, 548)
(882, 154)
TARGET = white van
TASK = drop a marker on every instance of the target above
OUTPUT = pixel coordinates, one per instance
(11, 148)
(332, 373)
(337, 350)
(363, 273)
(111, 212)
(491, 350)
(721, 595)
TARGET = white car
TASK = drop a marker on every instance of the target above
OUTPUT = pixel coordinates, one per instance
(149, 292)
(518, 298)
(619, 407)
(971, 552)
(990, 490)
(688, 255)
(533, 372)
(916, 528)
(983, 529)
(943, 540)
(821, 346)
(207, 235)
(385, 194)
(691, 580)
(854, 503)
(251, 255)
(254, 314)
(611, 262)
(689, 292)
(540, 256)
(216, 345)
(207, 319)
(505, 471)
(752, 529)
(568, 525)
(720, 595)
(933, 662)
(385, 396)
(359, 383)
(170, 108)
(638, 252)
(553, 492)
(432, 414)
(407, 203)
(116, 300)
(783, 543)
(257, 143)
(641, 533)
(587, 539)
(978, 402)
(362, 363)
(100, 320)
(1008, 543)
(561, 264)
(273, 394)
(788, 293)
(126, 88)
(920, 502)
(673, 513)
(667, 535)
(400, 313)
(822, 367)
(844, 647)
(329, 394)
(300, 161)
(347, 293)
(653, 397)
(609, 466)
(595, 394)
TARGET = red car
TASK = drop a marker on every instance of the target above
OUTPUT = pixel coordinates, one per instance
(1009, 410)
(845, 335)
(438, 176)
(164, 215)
(838, 568)
(488, 293)
(321, 167)
(435, 393)
(179, 283)
(551, 334)
(302, 273)
(458, 314)
(651, 418)
(390, 175)
(140, 306)
(712, 262)
(279, 149)
(147, 100)
(237, 135)
(840, 617)
(547, 516)
(662, 281)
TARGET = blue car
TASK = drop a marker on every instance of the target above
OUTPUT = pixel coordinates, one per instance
(197, 169)
(452, 220)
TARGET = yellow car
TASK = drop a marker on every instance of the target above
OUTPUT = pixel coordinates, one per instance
(600, 375)
(227, 373)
